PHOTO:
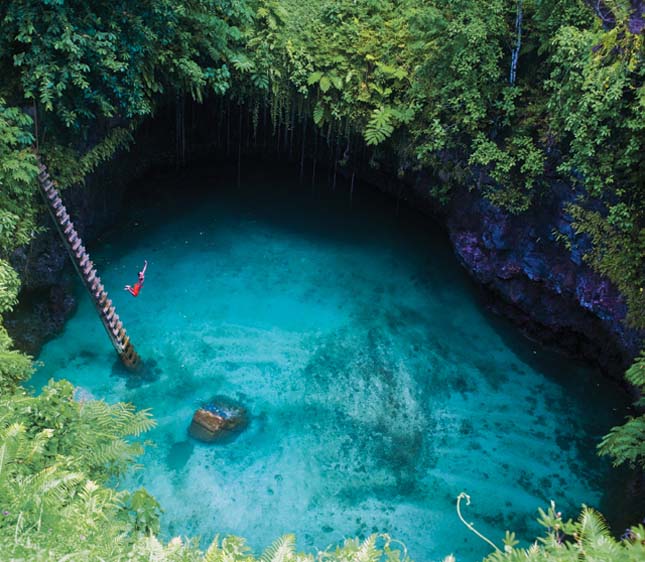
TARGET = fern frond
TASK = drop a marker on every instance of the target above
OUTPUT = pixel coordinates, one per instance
(379, 126)
(636, 373)
(231, 549)
(625, 443)
(319, 113)
(368, 552)
(282, 550)
(594, 537)
(241, 62)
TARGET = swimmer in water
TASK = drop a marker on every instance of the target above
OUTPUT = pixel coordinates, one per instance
(134, 291)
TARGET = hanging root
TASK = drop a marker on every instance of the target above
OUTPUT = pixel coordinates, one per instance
(470, 525)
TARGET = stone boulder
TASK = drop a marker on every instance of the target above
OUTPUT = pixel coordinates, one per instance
(219, 420)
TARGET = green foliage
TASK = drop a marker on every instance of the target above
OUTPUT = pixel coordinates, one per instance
(379, 127)
(93, 432)
(9, 286)
(626, 443)
(375, 548)
(618, 251)
(516, 170)
(143, 512)
(69, 167)
(17, 179)
(587, 539)
(52, 480)
(15, 367)
(17, 215)
(83, 60)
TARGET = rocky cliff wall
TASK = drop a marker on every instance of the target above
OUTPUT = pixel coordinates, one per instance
(548, 290)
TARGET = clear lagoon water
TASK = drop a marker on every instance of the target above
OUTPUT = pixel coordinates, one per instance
(379, 387)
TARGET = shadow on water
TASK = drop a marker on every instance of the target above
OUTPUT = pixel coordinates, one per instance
(148, 373)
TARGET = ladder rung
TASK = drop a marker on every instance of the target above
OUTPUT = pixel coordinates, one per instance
(110, 313)
(84, 260)
(89, 272)
(57, 203)
(75, 241)
(80, 252)
(69, 228)
(51, 194)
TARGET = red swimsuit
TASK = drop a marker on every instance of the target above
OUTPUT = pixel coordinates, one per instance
(136, 289)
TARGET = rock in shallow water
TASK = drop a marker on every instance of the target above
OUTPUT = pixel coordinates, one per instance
(219, 420)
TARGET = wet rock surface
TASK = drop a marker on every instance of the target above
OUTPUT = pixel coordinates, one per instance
(220, 420)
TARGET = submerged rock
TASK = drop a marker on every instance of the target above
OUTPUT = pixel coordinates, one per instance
(219, 420)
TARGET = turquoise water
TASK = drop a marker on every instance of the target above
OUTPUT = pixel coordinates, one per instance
(378, 386)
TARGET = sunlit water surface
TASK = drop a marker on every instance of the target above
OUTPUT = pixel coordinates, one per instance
(378, 385)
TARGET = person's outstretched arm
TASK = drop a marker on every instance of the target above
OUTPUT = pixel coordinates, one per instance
(145, 266)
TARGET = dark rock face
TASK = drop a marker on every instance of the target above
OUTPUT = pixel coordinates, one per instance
(546, 289)
(42, 317)
(46, 299)
(220, 420)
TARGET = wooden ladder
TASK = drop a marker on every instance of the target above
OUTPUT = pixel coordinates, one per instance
(87, 272)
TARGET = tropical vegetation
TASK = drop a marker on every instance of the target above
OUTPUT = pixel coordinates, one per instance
(503, 97)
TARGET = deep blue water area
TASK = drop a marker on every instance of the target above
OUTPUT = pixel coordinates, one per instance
(378, 387)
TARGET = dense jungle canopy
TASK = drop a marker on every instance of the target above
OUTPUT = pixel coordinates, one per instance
(504, 97)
